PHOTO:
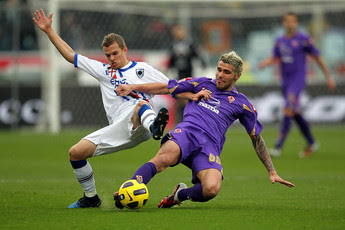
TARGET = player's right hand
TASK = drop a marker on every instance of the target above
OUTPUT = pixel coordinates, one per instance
(42, 21)
(123, 90)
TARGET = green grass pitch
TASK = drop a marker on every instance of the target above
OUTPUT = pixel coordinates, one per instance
(37, 184)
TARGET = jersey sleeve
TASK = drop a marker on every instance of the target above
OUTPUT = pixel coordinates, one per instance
(309, 46)
(249, 119)
(95, 68)
(181, 86)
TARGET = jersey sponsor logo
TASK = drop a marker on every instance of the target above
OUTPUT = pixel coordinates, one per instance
(140, 73)
(231, 99)
(203, 88)
(215, 103)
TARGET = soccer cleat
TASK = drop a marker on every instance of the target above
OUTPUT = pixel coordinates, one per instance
(172, 200)
(117, 200)
(309, 150)
(87, 202)
(275, 152)
(158, 125)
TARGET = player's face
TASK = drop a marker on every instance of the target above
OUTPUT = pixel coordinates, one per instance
(225, 76)
(115, 55)
(290, 23)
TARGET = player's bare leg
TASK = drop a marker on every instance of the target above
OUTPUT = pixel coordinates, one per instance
(82, 169)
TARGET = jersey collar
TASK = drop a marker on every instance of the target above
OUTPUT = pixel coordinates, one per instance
(127, 67)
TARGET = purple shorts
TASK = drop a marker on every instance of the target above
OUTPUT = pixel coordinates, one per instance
(198, 151)
(292, 97)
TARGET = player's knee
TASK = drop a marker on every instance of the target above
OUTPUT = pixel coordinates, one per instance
(162, 161)
(139, 104)
(289, 112)
(75, 153)
(210, 191)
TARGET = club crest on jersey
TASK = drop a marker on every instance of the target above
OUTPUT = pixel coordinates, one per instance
(139, 178)
(231, 99)
(177, 130)
(140, 73)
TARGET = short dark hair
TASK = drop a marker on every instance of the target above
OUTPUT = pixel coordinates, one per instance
(111, 38)
(290, 14)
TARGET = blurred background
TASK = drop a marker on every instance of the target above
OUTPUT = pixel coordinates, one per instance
(40, 90)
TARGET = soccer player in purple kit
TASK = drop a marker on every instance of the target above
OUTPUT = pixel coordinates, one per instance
(291, 50)
(198, 140)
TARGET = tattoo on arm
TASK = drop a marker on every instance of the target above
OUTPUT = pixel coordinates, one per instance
(262, 152)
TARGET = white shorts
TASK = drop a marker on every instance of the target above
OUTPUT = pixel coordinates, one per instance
(119, 135)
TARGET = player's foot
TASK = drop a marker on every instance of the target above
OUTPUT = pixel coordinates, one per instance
(117, 200)
(158, 125)
(275, 152)
(87, 202)
(309, 150)
(172, 200)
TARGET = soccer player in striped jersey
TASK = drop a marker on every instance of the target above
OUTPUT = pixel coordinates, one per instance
(197, 141)
(290, 50)
(131, 117)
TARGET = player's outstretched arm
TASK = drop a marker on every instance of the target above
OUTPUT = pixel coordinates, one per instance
(151, 88)
(267, 62)
(44, 24)
(160, 88)
(262, 152)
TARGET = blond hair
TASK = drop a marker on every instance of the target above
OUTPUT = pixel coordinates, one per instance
(233, 59)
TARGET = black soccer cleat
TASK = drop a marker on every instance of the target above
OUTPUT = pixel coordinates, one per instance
(117, 201)
(158, 125)
(87, 202)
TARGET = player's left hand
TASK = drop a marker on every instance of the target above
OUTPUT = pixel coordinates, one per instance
(201, 94)
(275, 178)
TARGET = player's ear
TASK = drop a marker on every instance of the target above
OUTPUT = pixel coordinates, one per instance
(125, 49)
(238, 76)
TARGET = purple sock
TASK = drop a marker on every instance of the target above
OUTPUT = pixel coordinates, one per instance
(193, 193)
(284, 130)
(304, 127)
(145, 173)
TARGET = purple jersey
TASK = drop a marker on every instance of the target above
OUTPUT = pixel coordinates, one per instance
(216, 115)
(201, 134)
(292, 54)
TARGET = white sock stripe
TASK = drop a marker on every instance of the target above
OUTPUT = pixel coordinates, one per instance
(147, 115)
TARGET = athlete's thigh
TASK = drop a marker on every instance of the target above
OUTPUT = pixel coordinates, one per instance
(168, 155)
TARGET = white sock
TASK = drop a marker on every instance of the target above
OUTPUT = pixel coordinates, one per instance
(147, 118)
(86, 180)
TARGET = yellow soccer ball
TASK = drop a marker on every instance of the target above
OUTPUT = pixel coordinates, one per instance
(133, 195)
